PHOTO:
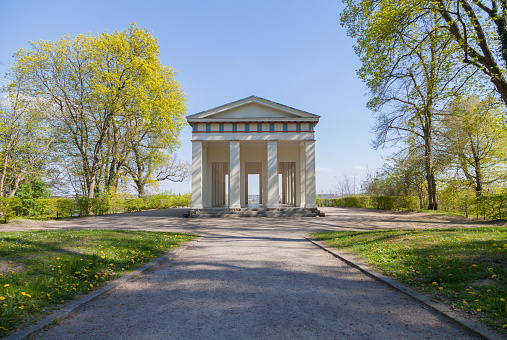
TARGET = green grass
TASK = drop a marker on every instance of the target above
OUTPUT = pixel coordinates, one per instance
(41, 269)
(465, 267)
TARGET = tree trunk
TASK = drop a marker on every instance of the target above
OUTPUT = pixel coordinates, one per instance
(429, 166)
(478, 181)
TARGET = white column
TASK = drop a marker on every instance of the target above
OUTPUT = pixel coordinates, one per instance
(272, 175)
(302, 172)
(265, 182)
(234, 176)
(311, 196)
(206, 178)
(196, 175)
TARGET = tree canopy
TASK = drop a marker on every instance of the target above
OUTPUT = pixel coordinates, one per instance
(109, 93)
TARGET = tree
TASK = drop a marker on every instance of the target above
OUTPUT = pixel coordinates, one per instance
(478, 27)
(407, 64)
(26, 138)
(99, 85)
(152, 165)
(473, 133)
(403, 174)
(469, 23)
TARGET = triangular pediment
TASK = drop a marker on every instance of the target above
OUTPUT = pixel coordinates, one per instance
(252, 109)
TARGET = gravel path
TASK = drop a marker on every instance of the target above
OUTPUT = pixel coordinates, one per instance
(254, 278)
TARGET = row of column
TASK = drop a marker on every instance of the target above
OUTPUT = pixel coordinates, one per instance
(289, 190)
(307, 171)
(218, 171)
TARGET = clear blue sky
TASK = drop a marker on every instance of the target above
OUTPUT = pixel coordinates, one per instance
(293, 52)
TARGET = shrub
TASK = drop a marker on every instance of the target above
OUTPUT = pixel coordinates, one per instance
(82, 206)
(396, 202)
(134, 204)
(356, 201)
(100, 205)
(64, 207)
(8, 206)
(45, 208)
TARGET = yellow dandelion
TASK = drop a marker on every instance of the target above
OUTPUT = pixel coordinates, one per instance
(2, 298)
(478, 309)
(434, 283)
(6, 285)
(493, 276)
(21, 307)
(502, 299)
(441, 288)
(23, 293)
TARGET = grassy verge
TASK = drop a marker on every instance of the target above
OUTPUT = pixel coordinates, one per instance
(41, 269)
(465, 267)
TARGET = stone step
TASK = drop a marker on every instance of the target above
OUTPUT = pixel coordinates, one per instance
(284, 212)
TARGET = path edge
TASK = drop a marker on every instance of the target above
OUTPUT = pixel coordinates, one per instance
(436, 306)
(75, 305)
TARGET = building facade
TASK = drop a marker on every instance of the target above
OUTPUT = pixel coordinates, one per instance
(253, 136)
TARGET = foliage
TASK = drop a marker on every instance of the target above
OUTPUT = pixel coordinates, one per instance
(44, 269)
(462, 267)
(8, 207)
(28, 192)
(474, 135)
(408, 66)
(379, 202)
(49, 208)
(472, 26)
(109, 92)
(26, 138)
(396, 202)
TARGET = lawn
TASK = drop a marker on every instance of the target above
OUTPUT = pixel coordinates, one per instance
(465, 267)
(41, 269)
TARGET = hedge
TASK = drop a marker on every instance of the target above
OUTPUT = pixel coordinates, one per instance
(487, 206)
(49, 208)
(379, 202)
(396, 202)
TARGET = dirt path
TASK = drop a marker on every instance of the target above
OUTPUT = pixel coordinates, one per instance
(254, 278)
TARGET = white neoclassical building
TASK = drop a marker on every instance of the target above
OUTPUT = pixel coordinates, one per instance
(253, 136)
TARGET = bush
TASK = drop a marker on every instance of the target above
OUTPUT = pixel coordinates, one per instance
(45, 208)
(329, 202)
(100, 205)
(396, 202)
(64, 207)
(356, 201)
(8, 206)
(134, 204)
(82, 206)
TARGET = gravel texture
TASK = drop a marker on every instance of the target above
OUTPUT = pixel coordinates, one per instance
(253, 278)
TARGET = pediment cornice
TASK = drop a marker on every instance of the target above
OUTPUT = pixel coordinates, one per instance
(219, 114)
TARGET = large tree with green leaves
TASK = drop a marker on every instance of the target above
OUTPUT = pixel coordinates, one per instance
(26, 138)
(473, 133)
(407, 64)
(479, 27)
(98, 85)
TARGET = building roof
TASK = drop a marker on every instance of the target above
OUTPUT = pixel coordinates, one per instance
(252, 108)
